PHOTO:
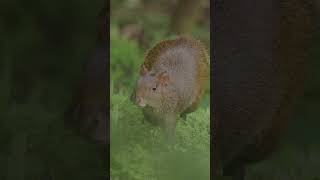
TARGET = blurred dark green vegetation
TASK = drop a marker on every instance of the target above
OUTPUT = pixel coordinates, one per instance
(138, 149)
(298, 156)
(43, 47)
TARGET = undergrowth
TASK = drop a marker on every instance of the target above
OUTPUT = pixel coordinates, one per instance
(139, 150)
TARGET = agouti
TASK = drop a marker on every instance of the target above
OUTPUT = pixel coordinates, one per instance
(172, 80)
(261, 50)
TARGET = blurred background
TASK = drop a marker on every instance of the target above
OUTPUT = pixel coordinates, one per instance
(138, 149)
(298, 156)
(43, 47)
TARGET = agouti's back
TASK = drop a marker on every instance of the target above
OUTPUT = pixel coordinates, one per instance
(259, 69)
(186, 61)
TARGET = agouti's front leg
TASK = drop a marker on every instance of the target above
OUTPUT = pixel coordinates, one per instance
(170, 121)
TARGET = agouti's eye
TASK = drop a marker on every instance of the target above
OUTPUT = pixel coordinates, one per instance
(154, 88)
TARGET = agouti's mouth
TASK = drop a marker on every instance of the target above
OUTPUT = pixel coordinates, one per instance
(137, 100)
(141, 104)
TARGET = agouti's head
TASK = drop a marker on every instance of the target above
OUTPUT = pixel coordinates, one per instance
(150, 88)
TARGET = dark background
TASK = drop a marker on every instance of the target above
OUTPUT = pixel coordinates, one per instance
(298, 153)
(298, 156)
(43, 47)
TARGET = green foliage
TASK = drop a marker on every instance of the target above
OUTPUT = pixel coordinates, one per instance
(155, 27)
(125, 60)
(139, 150)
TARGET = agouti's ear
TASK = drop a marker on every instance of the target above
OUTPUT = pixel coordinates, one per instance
(143, 70)
(163, 78)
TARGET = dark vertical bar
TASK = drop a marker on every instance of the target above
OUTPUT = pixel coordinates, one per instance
(107, 48)
(213, 115)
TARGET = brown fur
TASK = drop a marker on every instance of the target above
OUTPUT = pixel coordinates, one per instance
(203, 72)
(177, 70)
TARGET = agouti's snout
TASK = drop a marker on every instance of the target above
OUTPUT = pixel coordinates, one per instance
(137, 100)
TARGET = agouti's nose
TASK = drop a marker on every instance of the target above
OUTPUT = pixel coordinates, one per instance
(140, 102)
